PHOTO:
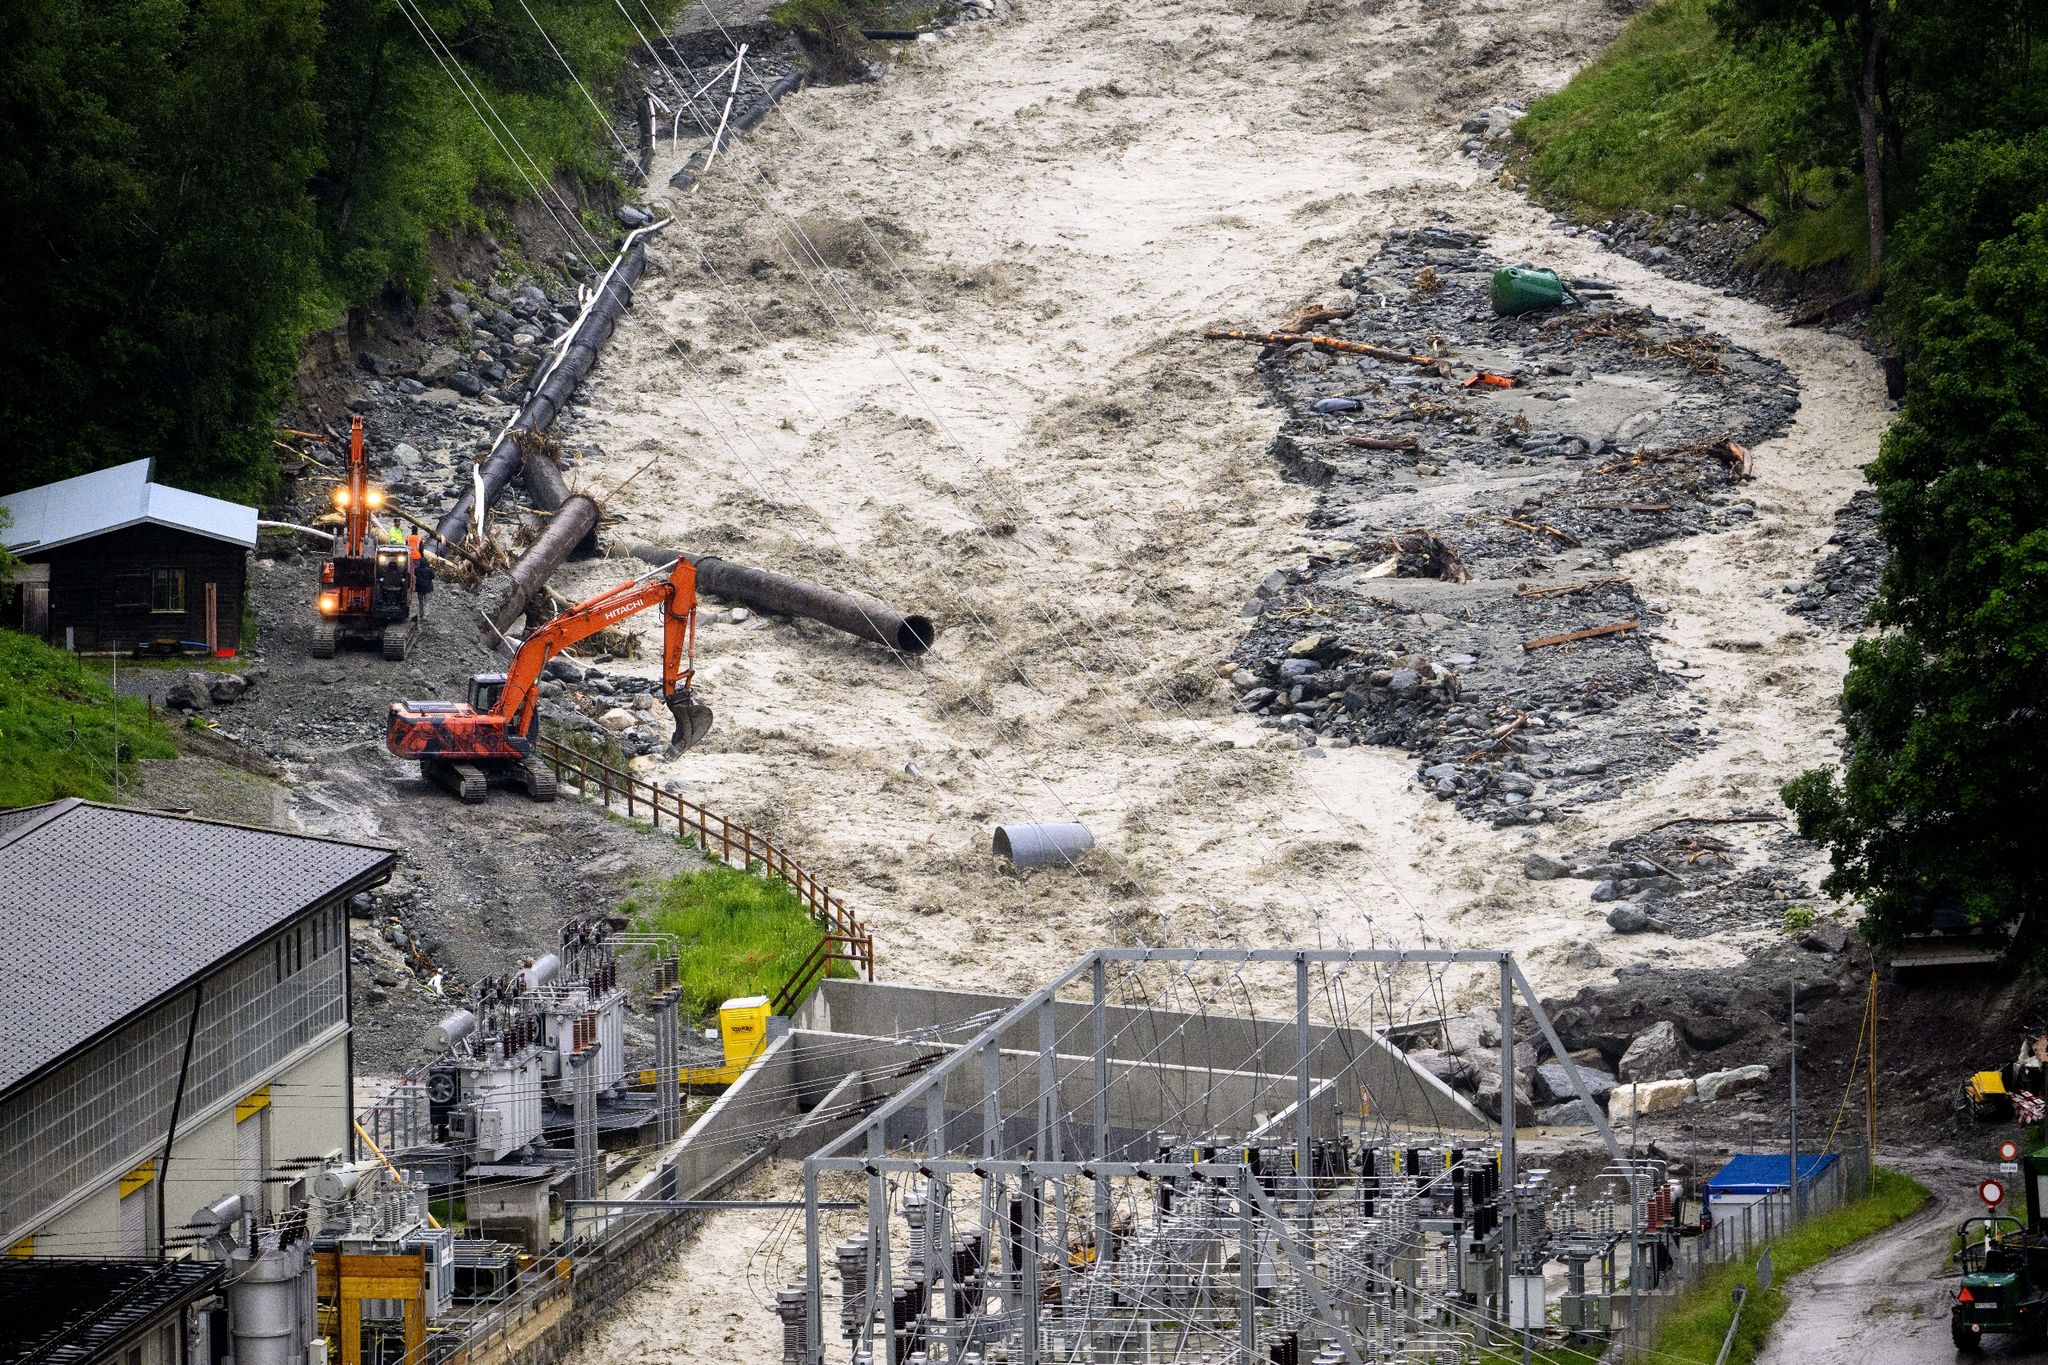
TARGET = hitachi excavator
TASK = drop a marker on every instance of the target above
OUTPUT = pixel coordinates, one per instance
(461, 746)
(366, 588)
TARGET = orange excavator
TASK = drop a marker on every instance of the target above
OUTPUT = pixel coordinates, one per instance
(366, 588)
(462, 745)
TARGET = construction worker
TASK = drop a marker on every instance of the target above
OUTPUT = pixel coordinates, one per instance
(422, 584)
(412, 545)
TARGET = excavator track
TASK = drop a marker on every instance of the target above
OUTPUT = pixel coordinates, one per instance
(538, 779)
(324, 635)
(462, 780)
(396, 641)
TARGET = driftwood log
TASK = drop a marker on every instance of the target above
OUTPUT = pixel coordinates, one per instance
(760, 590)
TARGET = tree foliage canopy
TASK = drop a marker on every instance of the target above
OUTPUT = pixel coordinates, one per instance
(193, 186)
(1946, 711)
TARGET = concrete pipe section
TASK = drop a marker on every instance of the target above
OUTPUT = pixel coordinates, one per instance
(1039, 845)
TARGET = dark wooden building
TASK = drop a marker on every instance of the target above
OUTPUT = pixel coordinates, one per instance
(111, 560)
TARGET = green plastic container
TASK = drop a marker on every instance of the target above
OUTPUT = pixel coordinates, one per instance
(1519, 289)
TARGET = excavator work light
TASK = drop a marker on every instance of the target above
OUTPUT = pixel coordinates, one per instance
(330, 603)
(373, 498)
(341, 497)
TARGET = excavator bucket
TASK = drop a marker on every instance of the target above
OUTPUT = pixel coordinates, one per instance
(693, 720)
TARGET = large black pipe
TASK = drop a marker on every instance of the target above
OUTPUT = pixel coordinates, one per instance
(573, 524)
(764, 591)
(552, 394)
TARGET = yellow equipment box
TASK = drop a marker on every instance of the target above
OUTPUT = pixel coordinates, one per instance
(743, 1026)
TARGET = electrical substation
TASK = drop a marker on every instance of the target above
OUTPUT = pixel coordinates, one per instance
(1184, 1180)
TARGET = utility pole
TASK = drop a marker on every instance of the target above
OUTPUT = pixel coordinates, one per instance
(1793, 1189)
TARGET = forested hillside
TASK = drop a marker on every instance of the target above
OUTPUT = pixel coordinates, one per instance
(194, 186)
(1906, 142)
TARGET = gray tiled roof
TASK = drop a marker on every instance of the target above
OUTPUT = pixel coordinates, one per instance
(105, 500)
(104, 910)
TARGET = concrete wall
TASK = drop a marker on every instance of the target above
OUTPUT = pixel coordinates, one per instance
(1368, 1070)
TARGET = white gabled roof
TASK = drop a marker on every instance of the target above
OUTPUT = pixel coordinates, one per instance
(109, 499)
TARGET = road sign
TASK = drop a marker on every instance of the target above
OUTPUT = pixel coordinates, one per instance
(1763, 1270)
(2008, 1150)
(1992, 1193)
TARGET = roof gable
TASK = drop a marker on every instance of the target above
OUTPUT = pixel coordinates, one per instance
(109, 909)
(106, 500)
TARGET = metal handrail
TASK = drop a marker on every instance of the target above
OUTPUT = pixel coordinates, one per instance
(731, 843)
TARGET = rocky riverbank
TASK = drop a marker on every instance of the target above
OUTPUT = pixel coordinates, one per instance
(1468, 521)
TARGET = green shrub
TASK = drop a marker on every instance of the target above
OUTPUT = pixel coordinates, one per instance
(1799, 918)
(57, 724)
(742, 933)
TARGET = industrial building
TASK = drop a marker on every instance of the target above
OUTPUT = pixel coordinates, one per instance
(177, 1035)
(114, 561)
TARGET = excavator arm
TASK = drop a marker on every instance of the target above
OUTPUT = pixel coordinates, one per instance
(676, 591)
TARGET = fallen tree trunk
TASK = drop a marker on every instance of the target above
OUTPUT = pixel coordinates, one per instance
(1322, 343)
(550, 394)
(761, 590)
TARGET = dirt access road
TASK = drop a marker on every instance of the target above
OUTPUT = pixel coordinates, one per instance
(987, 404)
(1885, 1301)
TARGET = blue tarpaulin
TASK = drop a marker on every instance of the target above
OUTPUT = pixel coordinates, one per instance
(1763, 1173)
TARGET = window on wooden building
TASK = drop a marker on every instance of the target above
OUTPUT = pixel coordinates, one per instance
(167, 590)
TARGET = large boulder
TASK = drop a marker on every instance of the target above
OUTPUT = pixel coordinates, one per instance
(1554, 1084)
(228, 687)
(1486, 1093)
(1654, 1052)
(1467, 1033)
(1571, 1114)
(1741, 1080)
(1650, 1097)
(193, 692)
(1448, 1067)
(1541, 867)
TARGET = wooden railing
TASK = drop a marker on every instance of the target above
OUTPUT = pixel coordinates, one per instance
(845, 940)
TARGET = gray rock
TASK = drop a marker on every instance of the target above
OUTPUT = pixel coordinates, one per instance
(1653, 1052)
(1465, 1033)
(1630, 918)
(1404, 682)
(1518, 783)
(193, 692)
(1825, 938)
(1440, 772)
(1447, 1067)
(633, 216)
(1741, 1080)
(1541, 867)
(1570, 1114)
(1553, 1083)
(464, 383)
(229, 687)
(565, 668)
(1332, 405)
(1607, 891)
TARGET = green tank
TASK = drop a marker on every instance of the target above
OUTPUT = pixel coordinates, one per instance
(1521, 289)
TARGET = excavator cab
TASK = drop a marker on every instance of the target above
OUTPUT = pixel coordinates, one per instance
(485, 689)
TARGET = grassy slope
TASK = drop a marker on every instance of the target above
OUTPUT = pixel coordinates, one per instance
(1696, 1325)
(57, 722)
(743, 934)
(1672, 114)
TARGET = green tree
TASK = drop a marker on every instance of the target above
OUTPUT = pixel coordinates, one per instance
(1857, 29)
(157, 230)
(1941, 799)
